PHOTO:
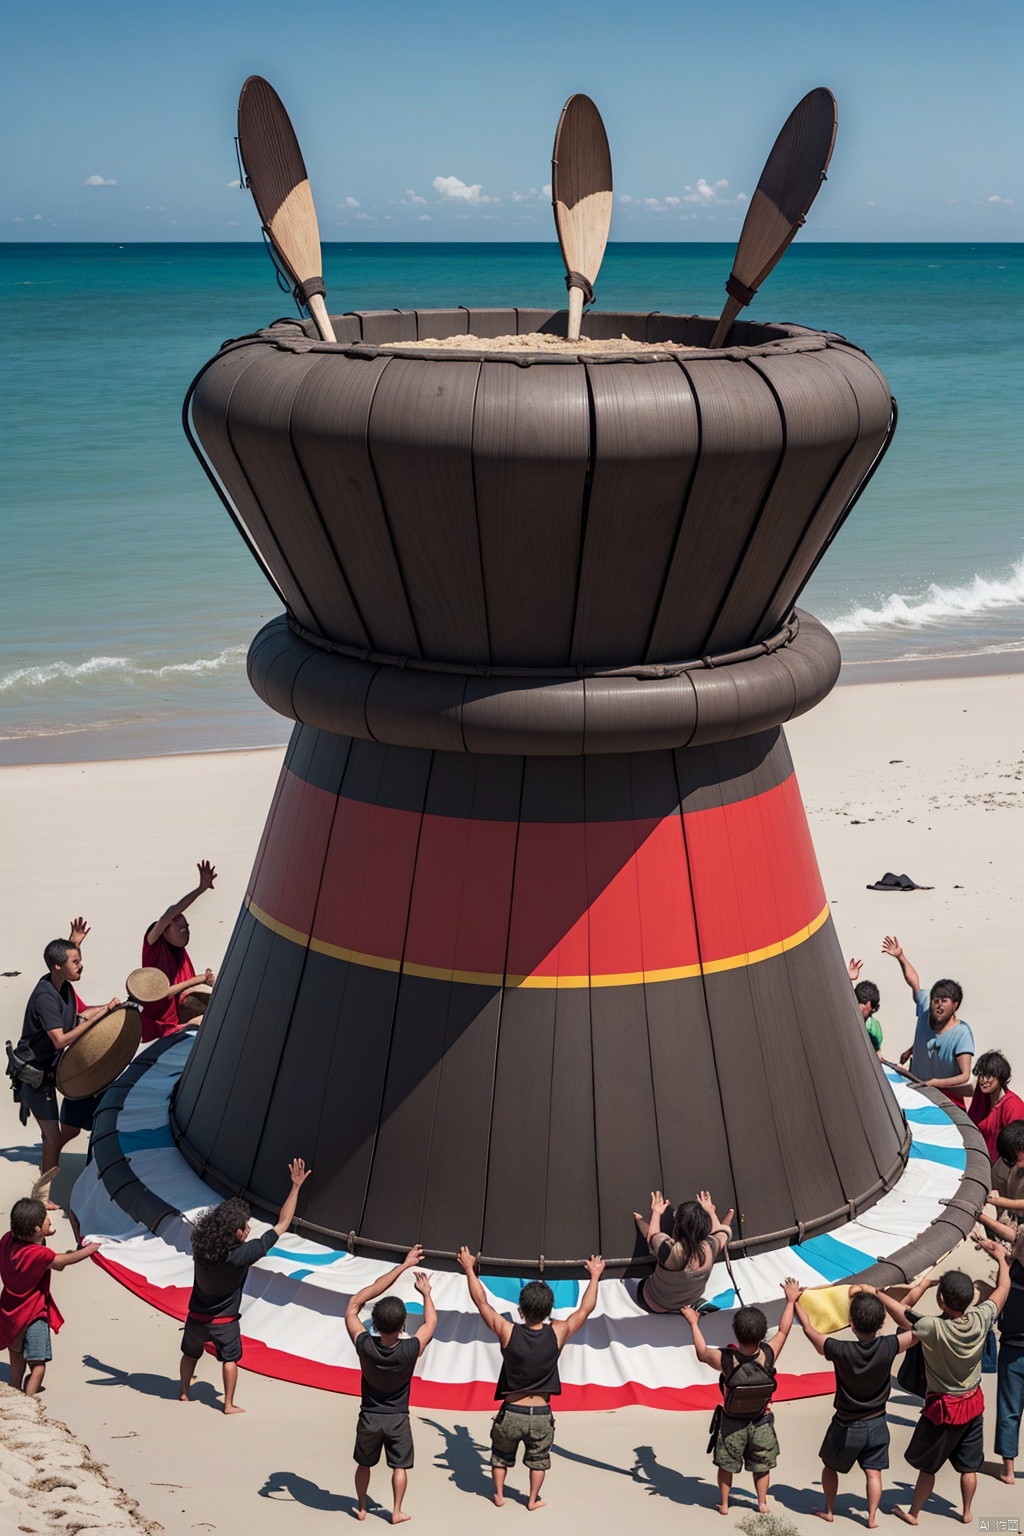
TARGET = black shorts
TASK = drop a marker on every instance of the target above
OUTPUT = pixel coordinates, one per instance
(864, 1441)
(40, 1102)
(80, 1112)
(932, 1445)
(226, 1339)
(387, 1432)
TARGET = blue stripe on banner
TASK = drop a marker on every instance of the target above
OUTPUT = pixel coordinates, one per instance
(932, 1115)
(146, 1140)
(720, 1303)
(306, 1259)
(952, 1157)
(567, 1292)
(832, 1259)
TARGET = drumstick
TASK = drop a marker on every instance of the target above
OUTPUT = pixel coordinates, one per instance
(790, 181)
(581, 193)
(276, 176)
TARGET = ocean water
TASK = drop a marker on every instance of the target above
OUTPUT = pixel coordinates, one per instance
(127, 600)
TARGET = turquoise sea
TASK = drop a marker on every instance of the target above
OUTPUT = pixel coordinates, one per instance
(128, 600)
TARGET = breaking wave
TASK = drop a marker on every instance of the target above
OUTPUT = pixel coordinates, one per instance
(118, 669)
(982, 594)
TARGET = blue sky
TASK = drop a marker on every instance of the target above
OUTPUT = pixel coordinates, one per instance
(435, 121)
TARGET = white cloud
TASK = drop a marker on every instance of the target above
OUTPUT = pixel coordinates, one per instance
(624, 197)
(654, 204)
(673, 202)
(871, 203)
(37, 218)
(99, 181)
(231, 223)
(17, 220)
(456, 189)
(546, 190)
(412, 196)
(1005, 202)
(236, 183)
(425, 218)
(367, 216)
(350, 202)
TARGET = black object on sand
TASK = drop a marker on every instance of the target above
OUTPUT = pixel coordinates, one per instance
(891, 882)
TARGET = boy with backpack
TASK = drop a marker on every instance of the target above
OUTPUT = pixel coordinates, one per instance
(743, 1428)
(387, 1361)
(859, 1431)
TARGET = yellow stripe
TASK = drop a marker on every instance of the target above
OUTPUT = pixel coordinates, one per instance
(496, 979)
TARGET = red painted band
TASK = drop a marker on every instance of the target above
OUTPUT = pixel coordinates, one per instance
(548, 902)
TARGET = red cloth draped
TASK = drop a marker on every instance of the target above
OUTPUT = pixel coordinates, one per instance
(159, 1019)
(954, 1407)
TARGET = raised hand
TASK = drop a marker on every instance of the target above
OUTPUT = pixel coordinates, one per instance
(792, 1289)
(79, 928)
(692, 1316)
(421, 1280)
(853, 970)
(466, 1259)
(892, 946)
(595, 1266)
(414, 1256)
(705, 1201)
(659, 1205)
(207, 977)
(298, 1172)
(207, 875)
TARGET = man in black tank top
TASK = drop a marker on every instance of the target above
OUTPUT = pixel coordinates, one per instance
(529, 1373)
(388, 1361)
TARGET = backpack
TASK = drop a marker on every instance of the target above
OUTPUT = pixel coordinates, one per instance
(748, 1387)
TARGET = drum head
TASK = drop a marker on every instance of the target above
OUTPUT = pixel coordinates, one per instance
(147, 985)
(101, 1054)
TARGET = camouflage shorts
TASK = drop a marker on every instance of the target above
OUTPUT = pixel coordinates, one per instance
(534, 1431)
(754, 1447)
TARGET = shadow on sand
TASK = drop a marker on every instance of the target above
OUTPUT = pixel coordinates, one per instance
(281, 1486)
(466, 1462)
(149, 1384)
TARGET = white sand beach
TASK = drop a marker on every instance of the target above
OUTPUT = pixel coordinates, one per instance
(923, 777)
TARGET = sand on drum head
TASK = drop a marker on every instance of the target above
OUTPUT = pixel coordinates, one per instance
(536, 341)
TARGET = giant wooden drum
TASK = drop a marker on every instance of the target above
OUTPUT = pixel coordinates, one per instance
(536, 924)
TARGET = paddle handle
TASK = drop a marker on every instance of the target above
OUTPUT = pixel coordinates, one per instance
(575, 314)
(321, 319)
(724, 326)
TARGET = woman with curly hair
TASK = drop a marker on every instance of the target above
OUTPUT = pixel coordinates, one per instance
(684, 1259)
(223, 1254)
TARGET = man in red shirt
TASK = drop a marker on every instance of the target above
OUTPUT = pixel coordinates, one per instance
(164, 948)
(28, 1313)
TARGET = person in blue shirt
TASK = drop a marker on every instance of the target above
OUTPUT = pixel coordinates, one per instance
(943, 1047)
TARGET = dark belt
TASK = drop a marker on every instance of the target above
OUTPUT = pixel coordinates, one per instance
(527, 1408)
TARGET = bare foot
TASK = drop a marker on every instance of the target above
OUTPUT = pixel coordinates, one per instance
(721, 1509)
(398, 1519)
(904, 1515)
(823, 1514)
(360, 1514)
(871, 1523)
(1007, 1477)
(51, 1205)
(966, 1519)
(762, 1509)
(233, 1409)
(183, 1397)
(499, 1499)
(535, 1504)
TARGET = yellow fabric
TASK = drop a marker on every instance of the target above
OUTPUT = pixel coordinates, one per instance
(828, 1310)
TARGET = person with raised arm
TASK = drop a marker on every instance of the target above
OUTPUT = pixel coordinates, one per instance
(943, 1045)
(224, 1253)
(951, 1424)
(685, 1257)
(743, 1426)
(529, 1379)
(164, 947)
(859, 1431)
(388, 1363)
(28, 1313)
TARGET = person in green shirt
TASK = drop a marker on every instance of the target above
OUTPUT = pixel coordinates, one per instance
(868, 1001)
(950, 1426)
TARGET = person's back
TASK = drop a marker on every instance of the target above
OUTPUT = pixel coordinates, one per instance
(387, 1372)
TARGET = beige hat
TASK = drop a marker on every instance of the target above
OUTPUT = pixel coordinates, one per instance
(147, 985)
(101, 1054)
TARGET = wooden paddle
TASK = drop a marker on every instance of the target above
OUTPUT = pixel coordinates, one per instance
(790, 181)
(581, 192)
(276, 176)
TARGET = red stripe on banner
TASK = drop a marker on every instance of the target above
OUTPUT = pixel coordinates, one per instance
(588, 899)
(463, 1397)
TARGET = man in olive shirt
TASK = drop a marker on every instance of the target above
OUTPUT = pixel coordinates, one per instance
(950, 1426)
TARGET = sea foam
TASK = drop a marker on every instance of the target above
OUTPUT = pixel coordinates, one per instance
(982, 594)
(122, 669)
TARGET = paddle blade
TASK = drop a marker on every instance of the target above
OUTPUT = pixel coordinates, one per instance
(277, 178)
(790, 181)
(581, 191)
